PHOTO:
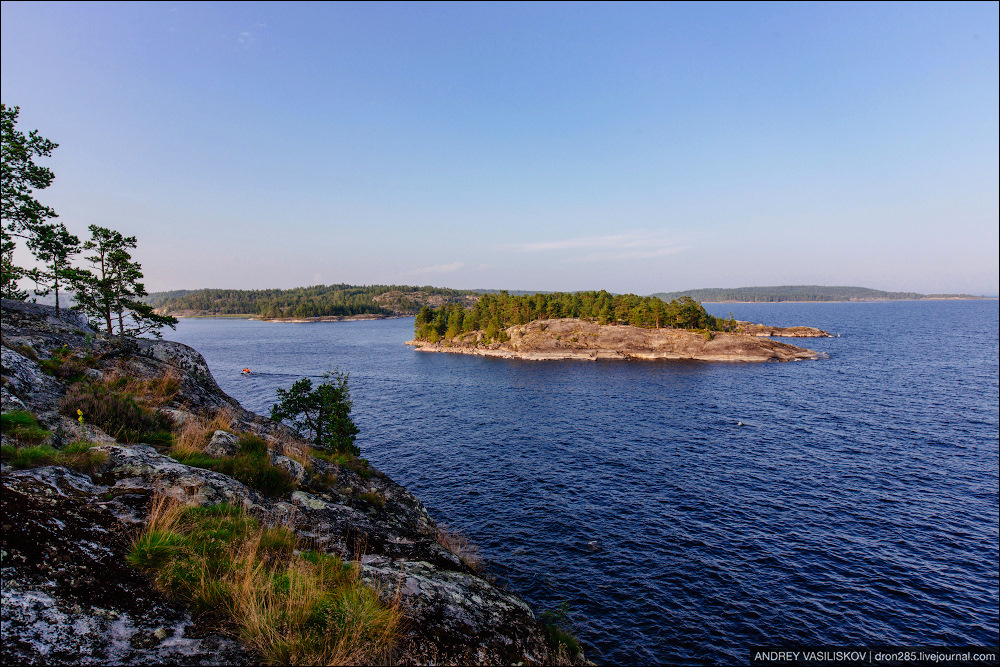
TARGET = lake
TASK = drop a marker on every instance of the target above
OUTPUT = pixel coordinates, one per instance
(686, 511)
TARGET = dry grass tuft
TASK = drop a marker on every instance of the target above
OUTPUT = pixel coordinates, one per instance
(196, 433)
(153, 392)
(294, 606)
(297, 451)
(457, 543)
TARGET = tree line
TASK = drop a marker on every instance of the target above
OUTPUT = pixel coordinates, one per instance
(107, 286)
(494, 313)
(314, 301)
(796, 293)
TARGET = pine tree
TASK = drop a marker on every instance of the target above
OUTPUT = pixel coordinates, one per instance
(113, 289)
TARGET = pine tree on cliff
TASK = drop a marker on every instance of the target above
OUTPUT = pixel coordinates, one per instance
(113, 288)
(53, 245)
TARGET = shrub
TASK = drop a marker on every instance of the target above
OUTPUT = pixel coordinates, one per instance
(65, 365)
(117, 413)
(294, 607)
(322, 415)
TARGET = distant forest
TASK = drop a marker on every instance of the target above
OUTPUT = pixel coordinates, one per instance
(801, 293)
(315, 301)
(493, 313)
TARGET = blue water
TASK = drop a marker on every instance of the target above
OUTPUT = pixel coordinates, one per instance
(858, 503)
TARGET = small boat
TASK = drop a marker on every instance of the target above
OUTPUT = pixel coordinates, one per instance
(245, 371)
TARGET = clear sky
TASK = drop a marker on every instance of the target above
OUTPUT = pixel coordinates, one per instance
(629, 147)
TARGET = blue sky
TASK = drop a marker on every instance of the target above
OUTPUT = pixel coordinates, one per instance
(634, 148)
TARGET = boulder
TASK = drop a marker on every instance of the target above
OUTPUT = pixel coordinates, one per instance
(223, 443)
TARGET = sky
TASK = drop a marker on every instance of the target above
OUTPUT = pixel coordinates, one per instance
(629, 147)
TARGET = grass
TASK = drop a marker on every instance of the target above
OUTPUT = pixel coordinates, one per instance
(566, 646)
(349, 461)
(152, 392)
(113, 406)
(458, 544)
(66, 364)
(376, 499)
(294, 606)
(195, 434)
(250, 465)
(22, 426)
(77, 455)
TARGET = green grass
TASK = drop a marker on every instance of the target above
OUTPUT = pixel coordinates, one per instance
(560, 640)
(293, 606)
(76, 455)
(23, 426)
(250, 466)
(349, 461)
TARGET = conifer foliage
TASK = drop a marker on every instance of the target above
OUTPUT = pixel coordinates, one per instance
(110, 288)
(321, 415)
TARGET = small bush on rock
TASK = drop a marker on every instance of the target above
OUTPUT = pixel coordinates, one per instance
(66, 365)
(117, 413)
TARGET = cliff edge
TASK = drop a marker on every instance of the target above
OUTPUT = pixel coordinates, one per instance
(71, 514)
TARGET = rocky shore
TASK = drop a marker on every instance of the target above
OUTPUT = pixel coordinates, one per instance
(556, 339)
(70, 597)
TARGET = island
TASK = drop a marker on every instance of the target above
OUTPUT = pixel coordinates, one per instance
(597, 325)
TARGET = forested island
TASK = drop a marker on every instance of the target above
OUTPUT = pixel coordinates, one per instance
(599, 325)
(779, 293)
(306, 302)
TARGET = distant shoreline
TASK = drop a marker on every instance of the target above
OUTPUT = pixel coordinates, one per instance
(300, 320)
(942, 298)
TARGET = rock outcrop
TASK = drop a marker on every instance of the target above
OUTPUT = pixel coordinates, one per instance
(578, 339)
(70, 597)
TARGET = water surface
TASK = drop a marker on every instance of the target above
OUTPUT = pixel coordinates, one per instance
(857, 503)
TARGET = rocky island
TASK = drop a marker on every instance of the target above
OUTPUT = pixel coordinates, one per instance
(127, 472)
(577, 339)
(597, 325)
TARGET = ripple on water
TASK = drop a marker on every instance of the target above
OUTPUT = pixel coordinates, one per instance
(857, 504)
